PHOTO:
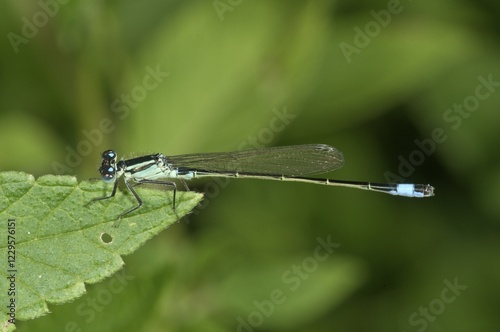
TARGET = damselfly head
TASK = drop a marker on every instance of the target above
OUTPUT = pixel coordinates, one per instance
(108, 166)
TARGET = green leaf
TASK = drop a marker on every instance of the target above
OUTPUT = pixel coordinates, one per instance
(60, 244)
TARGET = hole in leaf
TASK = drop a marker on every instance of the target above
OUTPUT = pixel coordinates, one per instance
(106, 238)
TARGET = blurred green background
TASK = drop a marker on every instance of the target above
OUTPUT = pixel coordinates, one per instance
(374, 79)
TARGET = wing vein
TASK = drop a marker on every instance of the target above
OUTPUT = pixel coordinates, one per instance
(297, 160)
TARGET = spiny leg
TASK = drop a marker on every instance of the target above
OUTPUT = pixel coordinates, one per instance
(163, 183)
(104, 197)
(138, 198)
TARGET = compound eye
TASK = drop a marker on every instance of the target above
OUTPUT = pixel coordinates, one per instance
(109, 155)
(108, 174)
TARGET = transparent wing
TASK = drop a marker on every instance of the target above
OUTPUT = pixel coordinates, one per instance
(297, 160)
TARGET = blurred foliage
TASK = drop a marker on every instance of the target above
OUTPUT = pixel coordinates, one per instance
(226, 73)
